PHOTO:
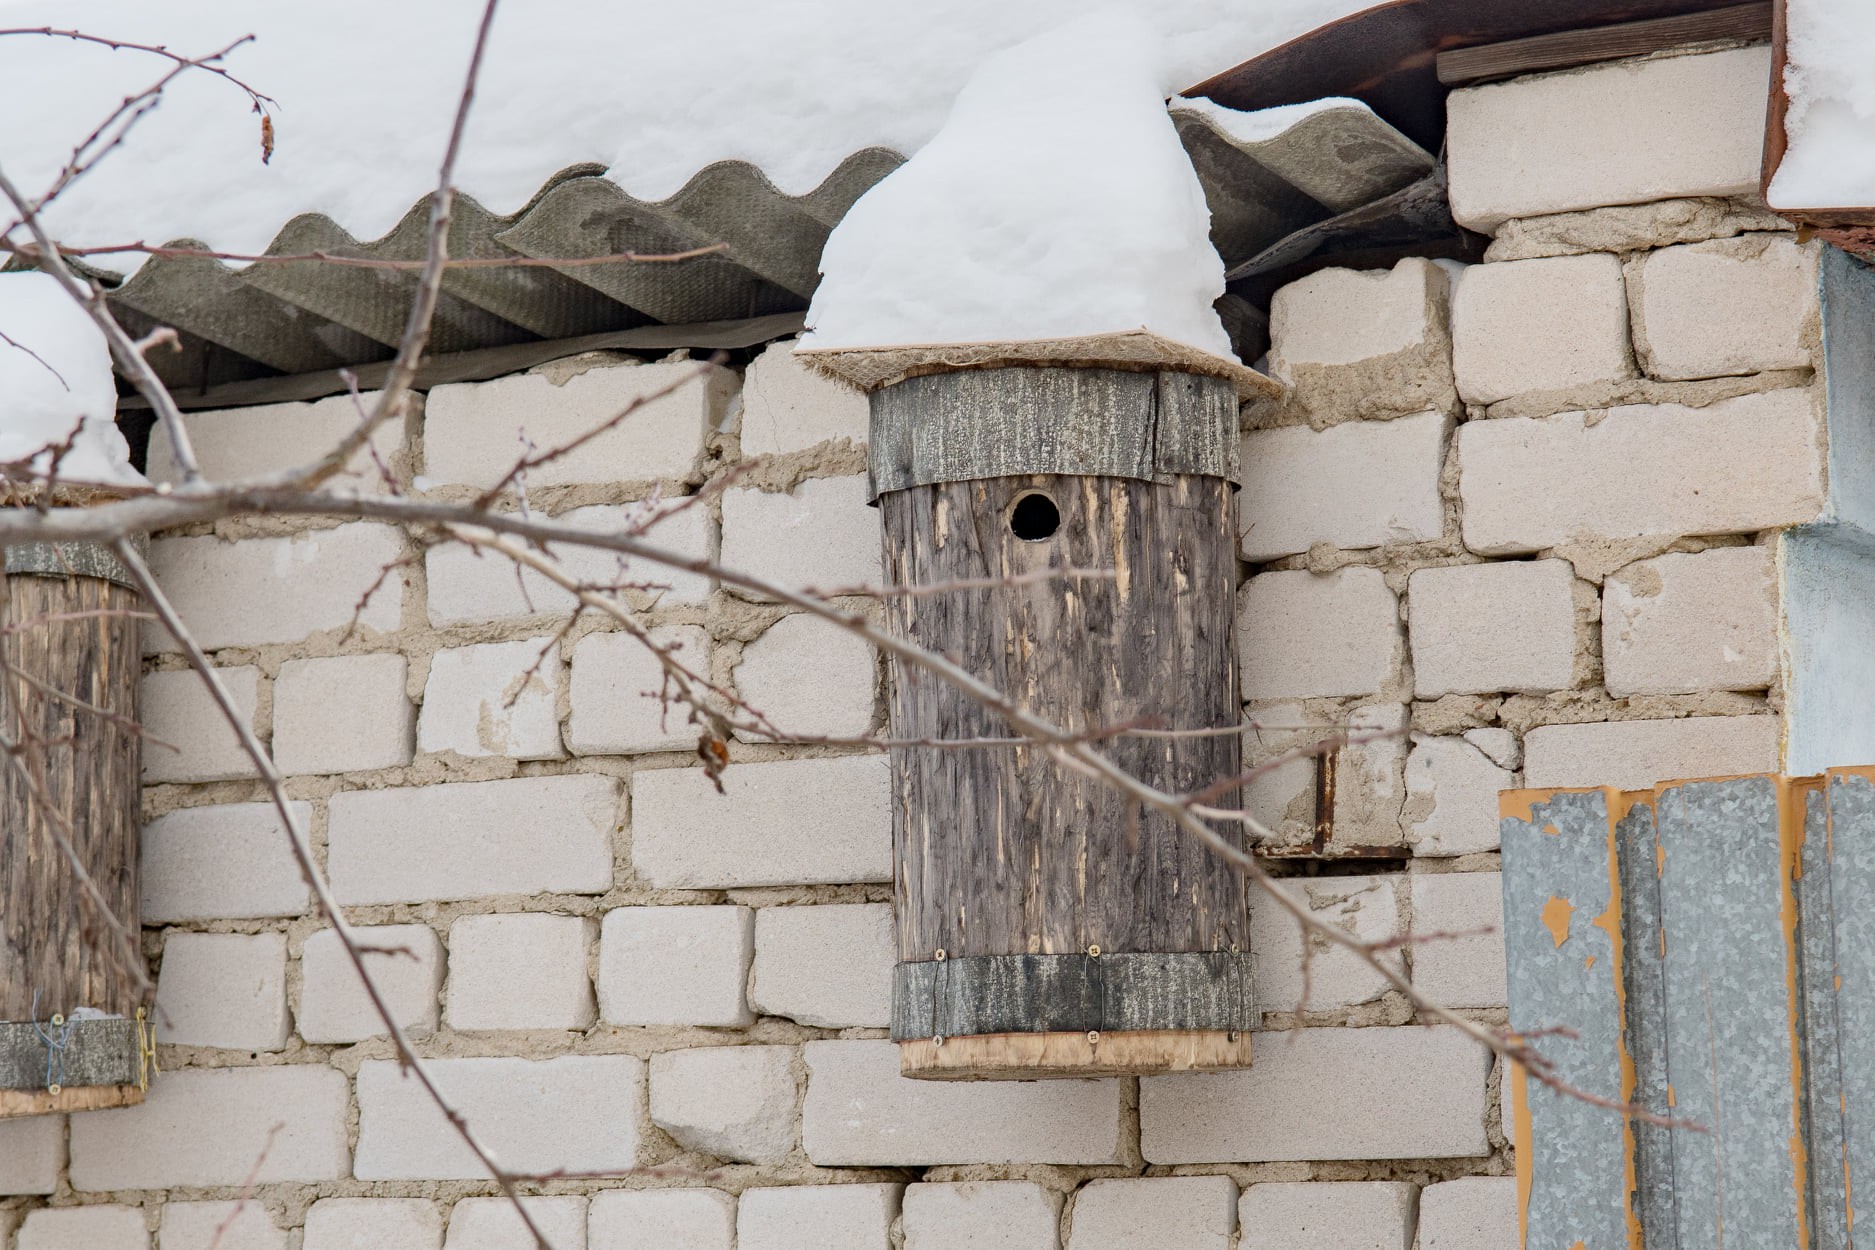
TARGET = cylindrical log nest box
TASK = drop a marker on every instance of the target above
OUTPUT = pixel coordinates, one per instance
(73, 1034)
(1046, 925)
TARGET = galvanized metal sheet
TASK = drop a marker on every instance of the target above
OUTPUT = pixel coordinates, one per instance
(1850, 841)
(70, 1053)
(1124, 992)
(1562, 939)
(1828, 1163)
(1643, 947)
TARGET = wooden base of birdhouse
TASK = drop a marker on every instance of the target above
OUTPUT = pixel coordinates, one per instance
(1033, 1056)
(20, 1102)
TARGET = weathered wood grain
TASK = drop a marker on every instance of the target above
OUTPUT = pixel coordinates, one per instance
(1067, 1055)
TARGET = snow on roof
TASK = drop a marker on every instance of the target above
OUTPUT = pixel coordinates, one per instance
(366, 91)
(1055, 202)
(1830, 161)
(55, 378)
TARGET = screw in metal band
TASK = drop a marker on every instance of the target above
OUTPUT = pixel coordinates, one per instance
(1094, 951)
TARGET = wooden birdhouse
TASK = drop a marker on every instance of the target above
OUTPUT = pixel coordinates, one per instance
(72, 1028)
(1046, 926)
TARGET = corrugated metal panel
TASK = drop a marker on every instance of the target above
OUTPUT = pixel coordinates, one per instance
(302, 317)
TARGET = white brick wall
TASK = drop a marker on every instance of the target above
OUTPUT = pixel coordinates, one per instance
(1451, 793)
(1459, 971)
(1191, 1212)
(373, 1224)
(473, 839)
(218, 1226)
(1728, 306)
(1482, 628)
(210, 1126)
(810, 677)
(494, 1224)
(577, 1112)
(789, 823)
(227, 862)
(786, 406)
(1472, 1213)
(823, 535)
(817, 1217)
(472, 432)
(342, 714)
(1691, 622)
(1530, 483)
(235, 443)
(102, 1227)
(1539, 325)
(1333, 1215)
(859, 1111)
(32, 1149)
(522, 971)
(1366, 907)
(1622, 133)
(223, 989)
(407, 968)
(616, 686)
(262, 590)
(1395, 1093)
(675, 965)
(1639, 754)
(1301, 635)
(671, 1219)
(187, 737)
(1357, 343)
(494, 698)
(734, 1102)
(981, 1215)
(829, 965)
(1356, 485)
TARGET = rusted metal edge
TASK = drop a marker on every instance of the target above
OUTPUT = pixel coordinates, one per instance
(69, 560)
(1127, 992)
(89, 1052)
(1567, 49)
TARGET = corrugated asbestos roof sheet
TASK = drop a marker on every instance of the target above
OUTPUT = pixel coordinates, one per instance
(303, 317)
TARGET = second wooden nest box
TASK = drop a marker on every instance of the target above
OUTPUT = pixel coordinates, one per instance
(1046, 926)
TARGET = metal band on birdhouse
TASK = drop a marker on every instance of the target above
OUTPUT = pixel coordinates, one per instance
(72, 1030)
(1046, 926)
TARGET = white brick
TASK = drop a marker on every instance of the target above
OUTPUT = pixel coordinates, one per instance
(1345, 1215)
(1451, 797)
(615, 693)
(734, 1102)
(794, 822)
(494, 1224)
(188, 738)
(1356, 485)
(223, 989)
(232, 861)
(1300, 635)
(32, 1150)
(1472, 1213)
(1190, 1212)
(1348, 1093)
(519, 971)
(480, 839)
(1691, 622)
(811, 678)
(1736, 466)
(1539, 325)
(262, 590)
(211, 1127)
(218, 1226)
(829, 966)
(333, 1004)
(1370, 787)
(823, 535)
(675, 965)
(1361, 343)
(107, 1227)
(465, 585)
(235, 443)
(817, 1217)
(787, 406)
(981, 1215)
(373, 1224)
(494, 698)
(859, 1111)
(1459, 971)
(1364, 906)
(670, 1219)
(1640, 754)
(1728, 306)
(1622, 133)
(1482, 628)
(578, 1113)
(341, 714)
(473, 431)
